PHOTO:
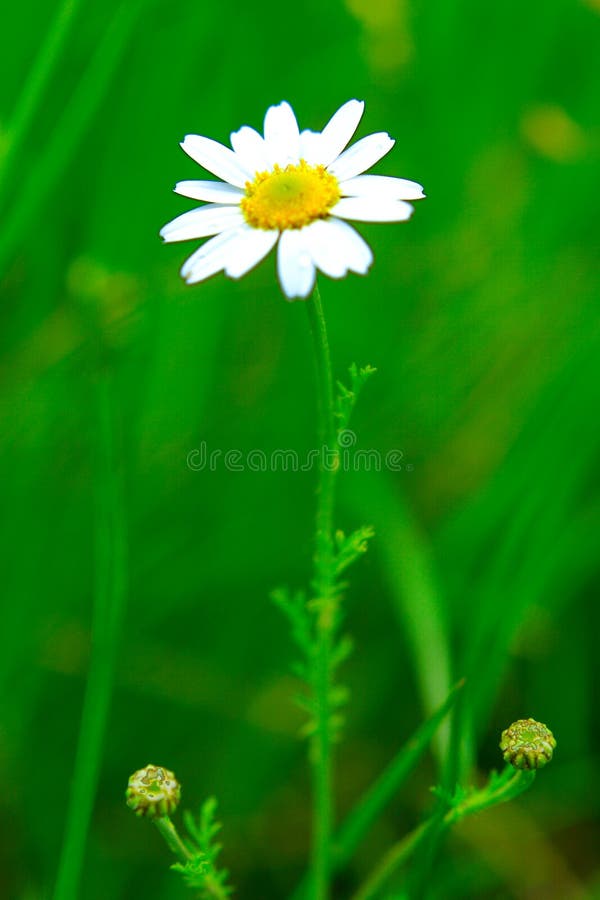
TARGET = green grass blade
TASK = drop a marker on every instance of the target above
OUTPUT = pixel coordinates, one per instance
(413, 583)
(500, 789)
(384, 788)
(34, 87)
(109, 601)
(389, 783)
(69, 130)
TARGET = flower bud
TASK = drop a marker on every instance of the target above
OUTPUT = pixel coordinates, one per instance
(153, 792)
(527, 744)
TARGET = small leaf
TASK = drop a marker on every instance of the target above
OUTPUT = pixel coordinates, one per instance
(338, 695)
(347, 396)
(201, 870)
(342, 651)
(352, 547)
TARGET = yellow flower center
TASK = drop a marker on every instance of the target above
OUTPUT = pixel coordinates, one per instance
(290, 197)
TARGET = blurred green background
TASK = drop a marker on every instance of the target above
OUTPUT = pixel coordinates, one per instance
(481, 318)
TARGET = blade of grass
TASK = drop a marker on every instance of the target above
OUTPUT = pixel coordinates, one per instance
(500, 789)
(377, 797)
(522, 573)
(35, 84)
(412, 579)
(87, 96)
(389, 783)
(109, 602)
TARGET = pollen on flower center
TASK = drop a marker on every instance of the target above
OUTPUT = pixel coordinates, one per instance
(291, 197)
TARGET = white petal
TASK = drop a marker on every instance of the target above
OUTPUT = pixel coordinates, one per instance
(216, 158)
(282, 135)
(371, 209)
(251, 149)
(211, 191)
(199, 223)
(336, 248)
(211, 257)
(311, 147)
(339, 130)
(294, 265)
(362, 155)
(252, 247)
(382, 186)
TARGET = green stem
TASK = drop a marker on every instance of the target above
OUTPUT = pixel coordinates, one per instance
(392, 860)
(172, 839)
(328, 459)
(324, 607)
(510, 784)
(109, 601)
(215, 890)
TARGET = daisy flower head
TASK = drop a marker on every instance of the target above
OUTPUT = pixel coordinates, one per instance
(292, 188)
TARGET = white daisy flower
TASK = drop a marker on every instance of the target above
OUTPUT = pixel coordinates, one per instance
(290, 188)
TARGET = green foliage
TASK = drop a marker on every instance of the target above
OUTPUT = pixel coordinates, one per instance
(304, 630)
(310, 616)
(455, 805)
(351, 547)
(499, 788)
(481, 315)
(201, 871)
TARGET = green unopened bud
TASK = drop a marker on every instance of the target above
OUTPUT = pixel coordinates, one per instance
(153, 792)
(527, 744)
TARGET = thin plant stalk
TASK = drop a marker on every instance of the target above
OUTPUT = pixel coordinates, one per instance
(392, 861)
(323, 585)
(505, 787)
(109, 603)
(172, 839)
